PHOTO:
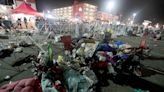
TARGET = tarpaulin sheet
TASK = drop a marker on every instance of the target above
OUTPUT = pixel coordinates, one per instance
(105, 47)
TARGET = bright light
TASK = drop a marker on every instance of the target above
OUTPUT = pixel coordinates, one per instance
(48, 11)
(131, 22)
(80, 9)
(157, 25)
(118, 23)
(134, 14)
(49, 16)
(111, 5)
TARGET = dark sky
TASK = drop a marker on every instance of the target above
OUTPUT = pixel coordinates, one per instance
(6, 2)
(146, 9)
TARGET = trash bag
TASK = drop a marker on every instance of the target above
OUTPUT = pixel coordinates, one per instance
(76, 82)
(90, 76)
(47, 85)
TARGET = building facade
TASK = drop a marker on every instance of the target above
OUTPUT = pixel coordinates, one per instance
(85, 11)
(104, 16)
(63, 13)
(82, 11)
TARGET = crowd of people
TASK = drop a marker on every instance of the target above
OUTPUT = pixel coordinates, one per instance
(21, 23)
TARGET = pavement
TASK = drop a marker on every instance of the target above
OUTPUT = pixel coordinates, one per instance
(154, 82)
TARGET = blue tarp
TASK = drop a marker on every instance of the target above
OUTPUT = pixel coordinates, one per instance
(119, 43)
(105, 47)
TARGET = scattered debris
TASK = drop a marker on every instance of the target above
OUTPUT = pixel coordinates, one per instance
(25, 44)
(85, 63)
(6, 52)
(4, 37)
(18, 50)
(23, 60)
(7, 77)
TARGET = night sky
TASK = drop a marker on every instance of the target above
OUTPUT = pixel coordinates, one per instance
(146, 9)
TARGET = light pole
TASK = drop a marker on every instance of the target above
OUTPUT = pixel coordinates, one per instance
(48, 12)
(133, 18)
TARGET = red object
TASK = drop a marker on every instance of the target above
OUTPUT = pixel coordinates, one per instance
(100, 65)
(143, 41)
(58, 72)
(67, 40)
(26, 9)
(25, 85)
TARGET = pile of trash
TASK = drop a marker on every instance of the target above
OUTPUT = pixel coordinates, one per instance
(68, 74)
(84, 65)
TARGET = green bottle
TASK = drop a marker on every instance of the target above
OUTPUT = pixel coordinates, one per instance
(50, 55)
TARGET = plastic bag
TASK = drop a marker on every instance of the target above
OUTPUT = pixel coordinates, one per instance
(76, 82)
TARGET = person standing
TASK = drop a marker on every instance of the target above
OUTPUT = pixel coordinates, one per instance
(37, 22)
(25, 22)
(1, 21)
(19, 23)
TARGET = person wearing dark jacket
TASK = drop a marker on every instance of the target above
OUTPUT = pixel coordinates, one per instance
(25, 22)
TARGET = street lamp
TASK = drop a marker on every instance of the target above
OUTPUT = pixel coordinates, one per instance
(134, 15)
(111, 5)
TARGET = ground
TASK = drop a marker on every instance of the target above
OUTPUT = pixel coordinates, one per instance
(153, 82)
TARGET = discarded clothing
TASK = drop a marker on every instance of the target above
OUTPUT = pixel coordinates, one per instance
(25, 85)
